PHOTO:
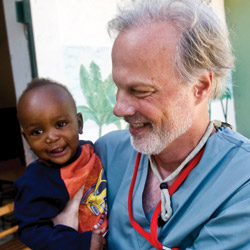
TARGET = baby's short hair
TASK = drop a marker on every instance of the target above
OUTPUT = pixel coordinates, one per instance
(41, 82)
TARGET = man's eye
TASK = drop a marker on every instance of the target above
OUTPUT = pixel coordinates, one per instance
(61, 124)
(36, 132)
(141, 93)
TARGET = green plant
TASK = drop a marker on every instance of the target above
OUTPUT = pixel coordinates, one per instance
(226, 95)
(100, 97)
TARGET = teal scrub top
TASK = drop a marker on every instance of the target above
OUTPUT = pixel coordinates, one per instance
(211, 209)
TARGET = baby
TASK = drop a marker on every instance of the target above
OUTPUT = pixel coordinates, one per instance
(65, 168)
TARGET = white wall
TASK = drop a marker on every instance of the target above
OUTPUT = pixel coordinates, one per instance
(68, 34)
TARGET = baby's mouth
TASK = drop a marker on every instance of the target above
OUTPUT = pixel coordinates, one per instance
(56, 151)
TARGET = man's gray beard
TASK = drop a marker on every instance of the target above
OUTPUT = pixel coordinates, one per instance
(156, 141)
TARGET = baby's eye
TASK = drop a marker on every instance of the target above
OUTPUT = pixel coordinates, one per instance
(36, 132)
(61, 124)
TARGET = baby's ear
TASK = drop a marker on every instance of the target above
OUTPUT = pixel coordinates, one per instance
(23, 134)
(80, 123)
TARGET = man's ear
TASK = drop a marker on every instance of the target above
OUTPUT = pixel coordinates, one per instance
(80, 123)
(203, 87)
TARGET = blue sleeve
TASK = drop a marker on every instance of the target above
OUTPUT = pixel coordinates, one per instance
(229, 227)
(47, 237)
(115, 152)
(40, 196)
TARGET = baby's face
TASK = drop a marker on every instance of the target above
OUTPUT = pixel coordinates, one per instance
(50, 125)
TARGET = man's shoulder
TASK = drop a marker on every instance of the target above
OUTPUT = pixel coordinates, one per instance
(114, 138)
(234, 139)
(114, 144)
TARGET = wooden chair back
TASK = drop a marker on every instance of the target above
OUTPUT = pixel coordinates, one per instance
(13, 243)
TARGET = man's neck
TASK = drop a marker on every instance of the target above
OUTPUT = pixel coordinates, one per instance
(171, 157)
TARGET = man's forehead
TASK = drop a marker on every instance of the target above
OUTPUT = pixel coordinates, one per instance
(150, 34)
(145, 49)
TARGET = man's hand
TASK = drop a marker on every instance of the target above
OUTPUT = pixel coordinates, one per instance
(97, 239)
(69, 215)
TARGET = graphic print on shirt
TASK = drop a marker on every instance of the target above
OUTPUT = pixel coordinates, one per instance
(95, 198)
(87, 170)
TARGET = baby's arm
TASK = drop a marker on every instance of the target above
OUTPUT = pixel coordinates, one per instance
(69, 217)
(34, 215)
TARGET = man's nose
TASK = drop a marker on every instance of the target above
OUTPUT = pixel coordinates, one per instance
(123, 105)
(52, 136)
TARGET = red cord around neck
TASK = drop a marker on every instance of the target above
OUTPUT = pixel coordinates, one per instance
(152, 236)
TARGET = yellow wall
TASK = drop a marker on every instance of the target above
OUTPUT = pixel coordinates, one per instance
(238, 18)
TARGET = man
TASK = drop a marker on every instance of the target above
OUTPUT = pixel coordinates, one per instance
(188, 187)
(169, 59)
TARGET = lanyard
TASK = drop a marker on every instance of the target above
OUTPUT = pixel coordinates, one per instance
(166, 210)
(152, 236)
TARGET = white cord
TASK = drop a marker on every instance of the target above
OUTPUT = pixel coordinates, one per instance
(166, 210)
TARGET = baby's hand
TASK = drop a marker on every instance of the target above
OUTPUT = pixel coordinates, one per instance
(97, 239)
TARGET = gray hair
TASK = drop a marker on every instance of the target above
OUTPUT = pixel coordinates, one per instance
(203, 44)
